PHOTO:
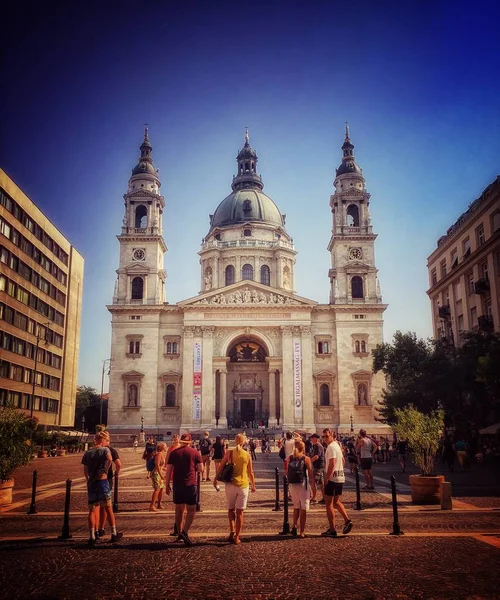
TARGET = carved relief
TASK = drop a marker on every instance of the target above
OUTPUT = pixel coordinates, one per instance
(188, 331)
(248, 296)
(287, 331)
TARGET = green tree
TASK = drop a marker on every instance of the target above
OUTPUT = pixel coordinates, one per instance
(16, 434)
(85, 398)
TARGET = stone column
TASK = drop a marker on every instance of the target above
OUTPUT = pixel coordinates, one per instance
(208, 391)
(187, 380)
(272, 396)
(223, 395)
(307, 378)
(287, 418)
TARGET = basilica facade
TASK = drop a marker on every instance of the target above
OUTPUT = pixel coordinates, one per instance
(247, 348)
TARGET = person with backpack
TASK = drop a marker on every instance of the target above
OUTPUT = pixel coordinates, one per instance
(149, 451)
(299, 470)
(317, 456)
(205, 447)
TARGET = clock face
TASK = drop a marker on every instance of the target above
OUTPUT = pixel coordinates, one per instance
(355, 253)
(139, 254)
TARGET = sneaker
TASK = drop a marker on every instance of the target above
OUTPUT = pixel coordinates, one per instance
(329, 533)
(185, 538)
(115, 537)
(100, 533)
(347, 527)
(294, 531)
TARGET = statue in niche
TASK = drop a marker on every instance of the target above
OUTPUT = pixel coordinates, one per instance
(362, 393)
(208, 281)
(132, 395)
(286, 277)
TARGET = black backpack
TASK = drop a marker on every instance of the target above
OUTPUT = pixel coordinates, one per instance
(204, 445)
(297, 470)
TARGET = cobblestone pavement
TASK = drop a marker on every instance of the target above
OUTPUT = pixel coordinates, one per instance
(442, 554)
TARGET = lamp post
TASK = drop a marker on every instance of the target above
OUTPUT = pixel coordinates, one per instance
(106, 360)
(83, 423)
(38, 338)
(352, 425)
(142, 437)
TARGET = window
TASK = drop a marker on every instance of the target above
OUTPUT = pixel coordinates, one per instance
(229, 275)
(357, 287)
(172, 345)
(480, 235)
(460, 322)
(473, 317)
(470, 282)
(352, 216)
(170, 395)
(454, 259)
(466, 247)
(265, 275)
(495, 222)
(247, 232)
(134, 347)
(442, 265)
(141, 217)
(357, 347)
(483, 269)
(434, 279)
(247, 272)
(137, 288)
(323, 345)
(324, 395)
(363, 346)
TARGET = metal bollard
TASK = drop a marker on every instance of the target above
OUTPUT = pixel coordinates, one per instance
(65, 534)
(396, 530)
(115, 495)
(277, 502)
(358, 491)
(286, 524)
(32, 509)
(198, 486)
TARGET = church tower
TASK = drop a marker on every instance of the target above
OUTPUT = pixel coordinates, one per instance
(141, 276)
(353, 276)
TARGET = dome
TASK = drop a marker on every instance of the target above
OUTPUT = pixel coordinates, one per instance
(348, 166)
(144, 167)
(246, 152)
(246, 205)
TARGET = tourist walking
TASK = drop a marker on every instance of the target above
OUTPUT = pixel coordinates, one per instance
(218, 451)
(158, 476)
(299, 471)
(149, 450)
(101, 532)
(96, 463)
(352, 457)
(183, 464)
(461, 450)
(205, 450)
(252, 447)
(238, 489)
(317, 455)
(367, 449)
(402, 448)
(334, 481)
(449, 453)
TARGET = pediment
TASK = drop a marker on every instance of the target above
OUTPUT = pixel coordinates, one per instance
(361, 373)
(138, 267)
(134, 374)
(324, 374)
(248, 293)
(170, 374)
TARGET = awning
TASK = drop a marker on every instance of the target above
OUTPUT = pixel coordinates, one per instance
(491, 430)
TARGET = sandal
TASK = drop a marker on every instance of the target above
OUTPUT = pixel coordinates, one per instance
(231, 537)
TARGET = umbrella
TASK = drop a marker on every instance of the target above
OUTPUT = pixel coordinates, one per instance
(491, 430)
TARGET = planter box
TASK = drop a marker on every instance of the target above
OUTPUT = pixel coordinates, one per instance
(42, 454)
(61, 452)
(6, 492)
(425, 490)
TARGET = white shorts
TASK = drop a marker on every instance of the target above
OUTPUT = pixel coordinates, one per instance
(236, 497)
(300, 496)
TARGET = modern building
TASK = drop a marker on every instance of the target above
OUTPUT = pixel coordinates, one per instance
(247, 348)
(464, 271)
(41, 279)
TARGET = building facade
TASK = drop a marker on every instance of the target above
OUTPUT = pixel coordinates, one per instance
(247, 348)
(41, 280)
(464, 271)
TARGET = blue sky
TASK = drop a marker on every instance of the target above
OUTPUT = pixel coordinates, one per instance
(417, 81)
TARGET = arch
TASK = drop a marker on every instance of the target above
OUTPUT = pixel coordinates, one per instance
(247, 350)
(265, 275)
(324, 395)
(137, 288)
(229, 275)
(352, 215)
(170, 395)
(141, 217)
(357, 347)
(208, 278)
(287, 282)
(357, 287)
(363, 346)
(241, 337)
(247, 272)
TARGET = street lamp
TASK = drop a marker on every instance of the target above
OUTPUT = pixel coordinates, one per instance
(352, 425)
(106, 360)
(38, 339)
(83, 423)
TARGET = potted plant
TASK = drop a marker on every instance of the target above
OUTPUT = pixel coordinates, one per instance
(422, 432)
(16, 434)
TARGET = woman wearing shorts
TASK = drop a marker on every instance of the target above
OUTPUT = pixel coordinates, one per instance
(237, 490)
(218, 449)
(158, 477)
(300, 491)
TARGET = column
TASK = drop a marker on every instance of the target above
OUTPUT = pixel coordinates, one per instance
(208, 391)
(287, 418)
(272, 396)
(223, 400)
(187, 379)
(307, 378)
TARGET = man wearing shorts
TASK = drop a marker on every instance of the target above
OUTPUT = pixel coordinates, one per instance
(367, 449)
(184, 461)
(317, 456)
(335, 479)
(205, 451)
(96, 464)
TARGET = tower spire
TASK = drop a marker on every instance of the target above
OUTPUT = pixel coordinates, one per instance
(247, 168)
(247, 143)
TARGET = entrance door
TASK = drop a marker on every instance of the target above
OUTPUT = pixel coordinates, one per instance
(247, 410)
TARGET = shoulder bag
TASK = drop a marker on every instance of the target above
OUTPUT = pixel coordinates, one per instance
(227, 473)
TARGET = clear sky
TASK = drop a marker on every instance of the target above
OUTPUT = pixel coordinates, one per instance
(418, 82)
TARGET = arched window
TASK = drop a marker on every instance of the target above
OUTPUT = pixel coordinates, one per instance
(324, 395)
(137, 288)
(356, 346)
(141, 217)
(247, 272)
(357, 287)
(174, 348)
(229, 274)
(326, 350)
(169, 347)
(363, 346)
(352, 215)
(265, 275)
(170, 395)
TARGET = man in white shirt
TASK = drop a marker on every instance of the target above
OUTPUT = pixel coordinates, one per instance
(334, 480)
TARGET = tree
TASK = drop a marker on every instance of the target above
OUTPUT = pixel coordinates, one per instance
(86, 397)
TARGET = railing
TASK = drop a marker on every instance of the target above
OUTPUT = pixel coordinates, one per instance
(248, 244)
(481, 286)
(444, 311)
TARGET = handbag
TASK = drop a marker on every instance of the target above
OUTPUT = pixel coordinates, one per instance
(227, 473)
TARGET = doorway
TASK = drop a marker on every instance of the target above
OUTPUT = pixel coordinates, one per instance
(248, 410)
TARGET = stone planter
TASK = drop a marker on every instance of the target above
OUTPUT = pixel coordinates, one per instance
(6, 492)
(425, 489)
(42, 454)
(61, 452)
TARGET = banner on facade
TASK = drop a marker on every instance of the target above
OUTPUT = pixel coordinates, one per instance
(197, 380)
(297, 379)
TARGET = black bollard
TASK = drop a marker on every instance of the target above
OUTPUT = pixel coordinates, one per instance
(286, 524)
(198, 487)
(277, 502)
(115, 495)
(396, 529)
(358, 491)
(32, 509)
(65, 535)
